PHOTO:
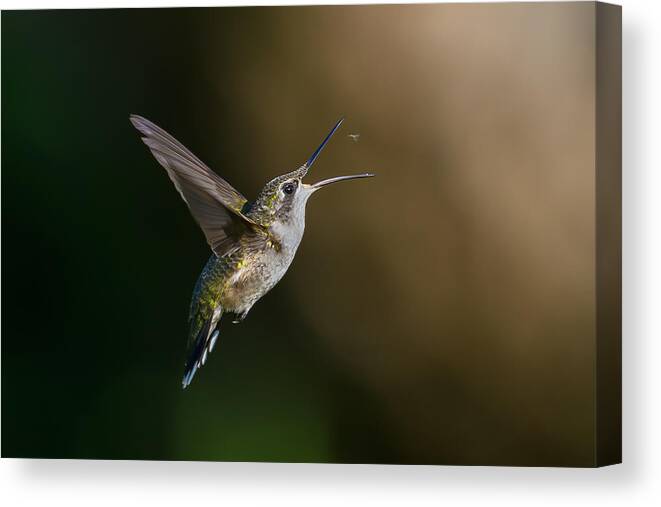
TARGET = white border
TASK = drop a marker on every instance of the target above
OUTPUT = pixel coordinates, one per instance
(100, 4)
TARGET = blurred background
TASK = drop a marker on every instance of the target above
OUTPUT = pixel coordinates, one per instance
(442, 312)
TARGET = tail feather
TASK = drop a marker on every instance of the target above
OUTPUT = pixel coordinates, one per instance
(202, 347)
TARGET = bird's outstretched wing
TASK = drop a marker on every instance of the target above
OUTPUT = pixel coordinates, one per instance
(213, 202)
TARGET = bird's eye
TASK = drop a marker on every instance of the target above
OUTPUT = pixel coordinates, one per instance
(288, 188)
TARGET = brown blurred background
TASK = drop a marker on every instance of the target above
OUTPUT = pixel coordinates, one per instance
(442, 312)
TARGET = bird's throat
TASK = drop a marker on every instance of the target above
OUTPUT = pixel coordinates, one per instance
(289, 233)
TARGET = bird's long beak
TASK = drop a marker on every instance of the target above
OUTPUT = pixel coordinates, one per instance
(316, 153)
(323, 183)
(304, 169)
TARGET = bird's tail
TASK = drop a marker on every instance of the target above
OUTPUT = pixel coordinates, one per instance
(200, 349)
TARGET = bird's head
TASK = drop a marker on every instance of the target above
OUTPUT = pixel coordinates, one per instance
(284, 198)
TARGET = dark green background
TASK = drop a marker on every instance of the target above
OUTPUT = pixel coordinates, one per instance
(440, 313)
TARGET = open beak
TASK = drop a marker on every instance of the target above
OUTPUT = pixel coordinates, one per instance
(323, 183)
(304, 169)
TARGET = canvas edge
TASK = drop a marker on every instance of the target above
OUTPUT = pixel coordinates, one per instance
(608, 169)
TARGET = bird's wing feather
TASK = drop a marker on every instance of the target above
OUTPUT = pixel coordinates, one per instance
(214, 203)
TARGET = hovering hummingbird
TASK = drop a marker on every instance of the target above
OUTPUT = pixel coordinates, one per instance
(253, 243)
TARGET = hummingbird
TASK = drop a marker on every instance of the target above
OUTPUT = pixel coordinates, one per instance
(253, 243)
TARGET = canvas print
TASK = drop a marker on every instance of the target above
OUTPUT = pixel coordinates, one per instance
(338, 234)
